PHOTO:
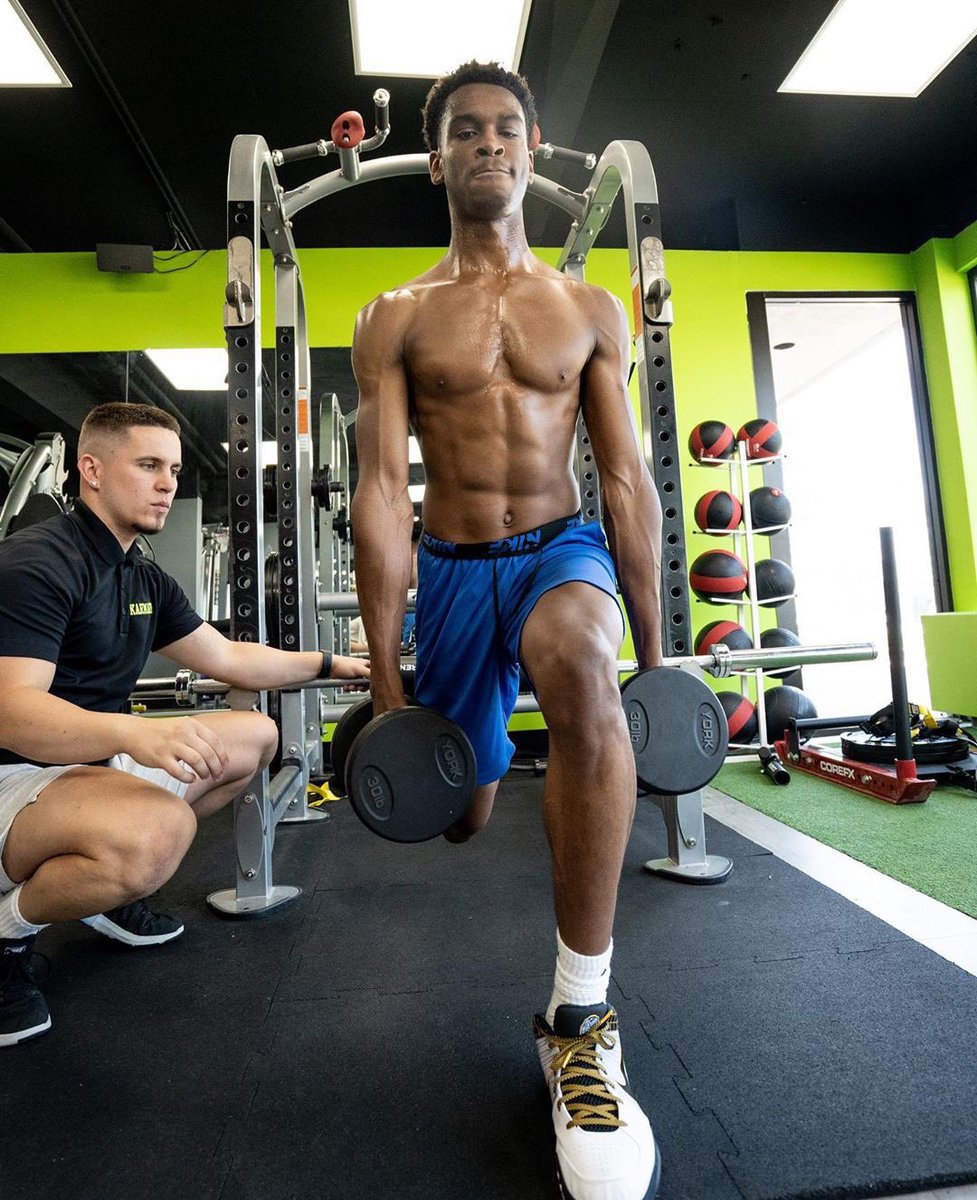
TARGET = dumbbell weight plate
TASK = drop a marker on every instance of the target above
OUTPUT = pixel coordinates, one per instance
(353, 720)
(410, 774)
(678, 730)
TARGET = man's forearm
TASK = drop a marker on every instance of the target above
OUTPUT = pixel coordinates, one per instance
(383, 562)
(634, 536)
(259, 668)
(45, 728)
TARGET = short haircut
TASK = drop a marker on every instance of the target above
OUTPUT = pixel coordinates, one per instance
(115, 420)
(474, 72)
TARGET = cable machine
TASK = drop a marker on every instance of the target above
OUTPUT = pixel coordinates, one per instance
(259, 208)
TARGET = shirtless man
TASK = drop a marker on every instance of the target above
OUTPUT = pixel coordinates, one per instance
(98, 807)
(488, 358)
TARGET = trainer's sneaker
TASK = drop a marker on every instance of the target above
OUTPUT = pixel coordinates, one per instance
(23, 1010)
(135, 924)
(605, 1149)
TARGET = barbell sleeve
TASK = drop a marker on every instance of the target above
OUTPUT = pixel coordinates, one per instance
(722, 662)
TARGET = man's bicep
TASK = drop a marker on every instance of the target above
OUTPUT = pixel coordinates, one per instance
(381, 374)
(203, 650)
(605, 399)
(34, 673)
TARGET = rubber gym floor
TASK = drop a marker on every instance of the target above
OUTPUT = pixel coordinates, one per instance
(373, 1039)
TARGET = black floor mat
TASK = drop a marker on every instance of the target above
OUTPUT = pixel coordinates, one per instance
(374, 1039)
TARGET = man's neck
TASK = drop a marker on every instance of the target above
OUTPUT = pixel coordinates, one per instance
(125, 539)
(488, 247)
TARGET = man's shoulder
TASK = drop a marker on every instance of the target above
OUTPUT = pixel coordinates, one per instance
(59, 531)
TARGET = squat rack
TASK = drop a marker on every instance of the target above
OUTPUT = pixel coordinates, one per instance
(259, 207)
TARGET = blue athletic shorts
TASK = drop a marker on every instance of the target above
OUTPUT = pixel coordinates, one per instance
(472, 603)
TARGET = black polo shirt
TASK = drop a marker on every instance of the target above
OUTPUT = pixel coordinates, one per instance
(70, 596)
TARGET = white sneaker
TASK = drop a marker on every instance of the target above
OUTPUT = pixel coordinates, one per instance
(605, 1149)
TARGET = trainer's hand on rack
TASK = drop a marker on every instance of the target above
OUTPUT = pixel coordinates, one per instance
(344, 667)
(183, 747)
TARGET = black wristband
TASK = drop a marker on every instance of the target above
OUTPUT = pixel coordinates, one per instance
(326, 664)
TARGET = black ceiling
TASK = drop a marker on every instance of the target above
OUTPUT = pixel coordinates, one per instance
(136, 150)
(160, 89)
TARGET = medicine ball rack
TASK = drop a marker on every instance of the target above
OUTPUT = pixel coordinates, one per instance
(739, 466)
(261, 211)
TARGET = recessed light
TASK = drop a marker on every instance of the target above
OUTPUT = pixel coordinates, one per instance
(192, 370)
(428, 38)
(25, 61)
(883, 47)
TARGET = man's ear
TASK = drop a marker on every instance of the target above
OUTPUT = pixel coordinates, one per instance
(435, 167)
(89, 468)
(532, 164)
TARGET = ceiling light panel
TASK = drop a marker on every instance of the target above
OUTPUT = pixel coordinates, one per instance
(24, 59)
(427, 38)
(883, 47)
(192, 370)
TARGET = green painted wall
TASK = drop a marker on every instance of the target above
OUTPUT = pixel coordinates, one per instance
(61, 302)
(946, 318)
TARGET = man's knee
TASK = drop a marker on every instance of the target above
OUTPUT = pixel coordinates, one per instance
(577, 687)
(477, 816)
(262, 739)
(142, 855)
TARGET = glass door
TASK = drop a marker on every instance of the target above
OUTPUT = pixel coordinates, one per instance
(842, 379)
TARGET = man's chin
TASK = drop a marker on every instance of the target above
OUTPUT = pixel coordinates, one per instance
(145, 529)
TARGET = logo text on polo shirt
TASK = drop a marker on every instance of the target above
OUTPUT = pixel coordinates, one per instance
(141, 608)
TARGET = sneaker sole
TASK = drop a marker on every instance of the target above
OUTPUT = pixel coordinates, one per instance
(650, 1194)
(11, 1039)
(118, 934)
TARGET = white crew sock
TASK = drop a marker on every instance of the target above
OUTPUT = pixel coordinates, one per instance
(12, 924)
(580, 978)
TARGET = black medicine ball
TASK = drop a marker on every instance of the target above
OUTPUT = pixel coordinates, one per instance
(740, 716)
(712, 439)
(779, 639)
(774, 582)
(718, 512)
(727, 632)
(782, 703)
(768, 507)
(762, 438)
(718, 574)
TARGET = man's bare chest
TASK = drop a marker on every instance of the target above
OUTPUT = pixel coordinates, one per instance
(469, 339)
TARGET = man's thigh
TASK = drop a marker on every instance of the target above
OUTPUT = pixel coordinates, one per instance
(82, 811)
(247, 738)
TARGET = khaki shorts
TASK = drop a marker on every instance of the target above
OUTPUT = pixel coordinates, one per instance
(22, 783)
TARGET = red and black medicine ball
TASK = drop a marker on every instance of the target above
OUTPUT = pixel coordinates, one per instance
(774, 582)
(762, 438)
(768, 507)
(712, 439)
(718, 512)
(782, 703)
(740, 715)
(718, 574)
(726, 632)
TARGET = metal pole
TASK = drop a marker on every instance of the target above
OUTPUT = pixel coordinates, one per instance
(905, 760)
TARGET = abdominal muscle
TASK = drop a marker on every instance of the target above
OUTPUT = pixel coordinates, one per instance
(497, 463)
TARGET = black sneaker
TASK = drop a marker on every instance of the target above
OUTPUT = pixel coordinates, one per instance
(135, 924)
(23, 1010)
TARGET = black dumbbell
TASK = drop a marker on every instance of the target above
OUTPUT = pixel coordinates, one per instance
(409, 773)
(678, 730)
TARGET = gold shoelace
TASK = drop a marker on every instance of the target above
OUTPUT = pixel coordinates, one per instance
(577, 1060)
